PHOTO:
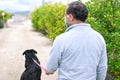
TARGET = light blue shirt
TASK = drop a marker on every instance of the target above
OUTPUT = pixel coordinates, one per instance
(78, 54)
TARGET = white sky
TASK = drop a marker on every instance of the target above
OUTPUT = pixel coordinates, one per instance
(65, 1)
(23, 5)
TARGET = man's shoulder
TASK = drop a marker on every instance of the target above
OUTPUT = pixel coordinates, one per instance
(62, 36)
(99, 36)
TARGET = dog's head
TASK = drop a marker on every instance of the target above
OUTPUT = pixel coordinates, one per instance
(30, 55)
(29, 51)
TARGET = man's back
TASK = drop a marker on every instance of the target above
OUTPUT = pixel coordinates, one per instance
(81, 52)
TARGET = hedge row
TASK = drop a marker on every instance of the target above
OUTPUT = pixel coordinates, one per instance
(104, 16)
(49, 19)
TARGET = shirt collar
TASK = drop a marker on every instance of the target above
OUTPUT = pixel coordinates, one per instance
(77, 25)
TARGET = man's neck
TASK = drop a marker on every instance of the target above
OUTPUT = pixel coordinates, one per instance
(77, 22)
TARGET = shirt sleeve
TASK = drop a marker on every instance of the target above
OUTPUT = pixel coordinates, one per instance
(102, 67)
(54, 57)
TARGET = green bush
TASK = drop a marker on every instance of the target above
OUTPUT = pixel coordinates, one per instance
(104, 16)
(49, 19)
(6, 17)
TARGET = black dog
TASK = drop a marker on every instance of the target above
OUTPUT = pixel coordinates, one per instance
(32, 71)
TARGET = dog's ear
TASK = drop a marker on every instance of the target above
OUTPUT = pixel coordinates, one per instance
(34, 51)
(24, 52)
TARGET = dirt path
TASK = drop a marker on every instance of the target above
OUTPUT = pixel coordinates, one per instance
(13, 42)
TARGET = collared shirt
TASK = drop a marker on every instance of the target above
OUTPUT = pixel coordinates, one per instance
(78, 54)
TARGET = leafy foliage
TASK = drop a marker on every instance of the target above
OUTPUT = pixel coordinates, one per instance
(49, 19)
(6, 17)
(105, 17)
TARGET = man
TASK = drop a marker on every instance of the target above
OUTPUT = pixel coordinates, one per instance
(80, 52)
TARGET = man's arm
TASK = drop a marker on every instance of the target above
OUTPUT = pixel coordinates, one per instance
(54, 57)
(102, 67)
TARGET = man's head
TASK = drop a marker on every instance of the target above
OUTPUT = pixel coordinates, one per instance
(76, 12)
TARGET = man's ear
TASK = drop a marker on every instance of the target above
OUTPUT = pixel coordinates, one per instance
(71, 17)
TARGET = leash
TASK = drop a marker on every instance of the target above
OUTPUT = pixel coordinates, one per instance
(39, 65)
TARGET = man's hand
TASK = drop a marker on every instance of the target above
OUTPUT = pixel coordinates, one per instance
(47, 72)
